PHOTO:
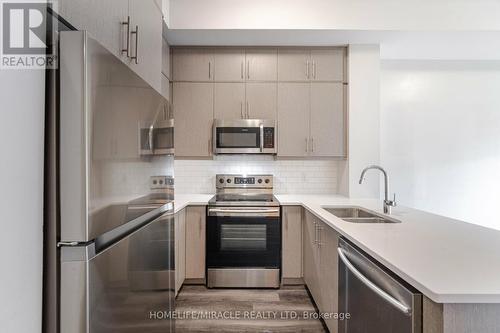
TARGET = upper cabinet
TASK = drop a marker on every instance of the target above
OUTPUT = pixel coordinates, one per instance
(293, 119)
(261, 100)
(327, 64)
(327, 119)
(230, 65)
(146, 40)
(193, 114)
(295, 64)
(302, 88)
(262, 64)
(104, 20)
(193, 64)
(132, 30)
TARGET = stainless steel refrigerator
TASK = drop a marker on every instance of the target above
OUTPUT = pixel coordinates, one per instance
(115, 234)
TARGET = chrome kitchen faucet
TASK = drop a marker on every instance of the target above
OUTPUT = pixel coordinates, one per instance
(388, 204)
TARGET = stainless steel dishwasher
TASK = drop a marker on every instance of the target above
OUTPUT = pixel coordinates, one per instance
(377, 301)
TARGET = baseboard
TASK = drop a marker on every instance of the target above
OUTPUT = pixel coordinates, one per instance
(195, 281)
(292, 281)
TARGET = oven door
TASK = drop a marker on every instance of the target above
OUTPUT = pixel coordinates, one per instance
(247, 237)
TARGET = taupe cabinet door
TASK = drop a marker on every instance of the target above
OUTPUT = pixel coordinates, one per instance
(261, 100)
(180, 249)
(321, 265)
(294, 64)
(193, 114)
(312, 257)
(261, 64)
(229, 101)
(327, 119)
(230, 65)
(195, 242)
(293, 119)
(327, 64)
(147, 42)
(193, 64)
(103, 20)
(328, 244)
(292, 242)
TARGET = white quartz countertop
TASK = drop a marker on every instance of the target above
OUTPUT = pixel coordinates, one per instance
(449, 261)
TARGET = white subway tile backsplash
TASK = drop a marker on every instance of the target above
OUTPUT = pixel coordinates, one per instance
(290, 176)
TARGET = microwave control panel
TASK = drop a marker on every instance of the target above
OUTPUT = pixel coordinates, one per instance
(269, 137)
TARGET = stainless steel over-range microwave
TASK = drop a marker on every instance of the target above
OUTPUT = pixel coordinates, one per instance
(156, 138)
(244, 136)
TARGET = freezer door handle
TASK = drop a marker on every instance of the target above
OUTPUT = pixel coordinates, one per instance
(391, 300)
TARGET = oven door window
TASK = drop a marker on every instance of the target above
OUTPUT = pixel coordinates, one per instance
(238, 137)
(243, 237)
(243, 242)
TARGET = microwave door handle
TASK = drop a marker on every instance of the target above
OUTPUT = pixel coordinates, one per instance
(150, 137)
(261, 137)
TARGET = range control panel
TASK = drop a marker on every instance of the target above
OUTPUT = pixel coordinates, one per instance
(246, 181)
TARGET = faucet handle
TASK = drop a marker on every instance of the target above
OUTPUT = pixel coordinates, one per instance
(393, 202)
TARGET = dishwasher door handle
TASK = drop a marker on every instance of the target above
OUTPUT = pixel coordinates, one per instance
(397, 304)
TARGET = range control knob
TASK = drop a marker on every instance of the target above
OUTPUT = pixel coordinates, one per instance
(221, 181)
(260, 181)
(267, 181)
(229, 180)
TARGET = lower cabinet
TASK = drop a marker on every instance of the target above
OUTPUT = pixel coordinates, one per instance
(180, 249)
(291, 244)
(321, 265)
(195, 243)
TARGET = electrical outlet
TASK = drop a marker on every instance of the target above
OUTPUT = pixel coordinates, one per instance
(161, 182)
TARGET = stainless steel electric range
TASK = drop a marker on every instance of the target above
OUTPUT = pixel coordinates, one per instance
(243, 233)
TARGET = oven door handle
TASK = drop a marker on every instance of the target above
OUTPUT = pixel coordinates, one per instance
(228, 212)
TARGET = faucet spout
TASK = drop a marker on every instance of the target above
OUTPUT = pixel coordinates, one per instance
(387, 203)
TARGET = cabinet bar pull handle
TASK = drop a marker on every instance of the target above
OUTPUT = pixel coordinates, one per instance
(314, 69)
(312, 145)
(126, 50)
(307, 145)
(242, 70)
(307, 69)
(248, 69)
(136, 56)
(209, 70)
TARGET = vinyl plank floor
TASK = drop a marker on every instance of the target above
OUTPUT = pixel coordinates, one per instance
(202, 310)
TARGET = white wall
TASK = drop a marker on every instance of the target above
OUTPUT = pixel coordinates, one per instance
(364, 135)
(336, 14)
(21, 199)
(290, 176)
(440, 136)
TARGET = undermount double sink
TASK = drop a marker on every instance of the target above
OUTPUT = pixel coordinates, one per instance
(359, 215)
